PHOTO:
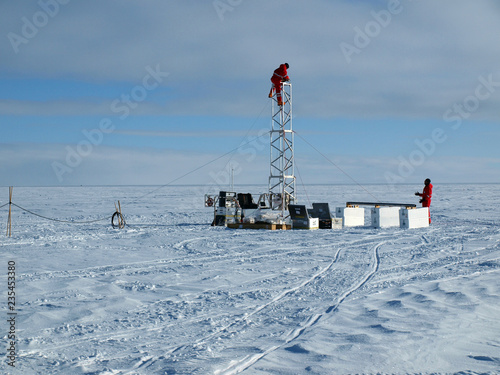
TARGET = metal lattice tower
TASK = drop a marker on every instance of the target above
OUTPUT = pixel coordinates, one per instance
(282, 174)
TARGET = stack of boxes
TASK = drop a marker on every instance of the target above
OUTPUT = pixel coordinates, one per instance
(385, 217)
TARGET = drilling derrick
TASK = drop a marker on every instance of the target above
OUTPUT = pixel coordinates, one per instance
(282, 173)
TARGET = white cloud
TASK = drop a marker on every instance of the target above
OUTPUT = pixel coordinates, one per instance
(33, 165)
(429, 55)
(58, 164)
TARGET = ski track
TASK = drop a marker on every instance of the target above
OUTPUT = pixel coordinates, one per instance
(246, 363)
(148, 266)
(141, 266)
(266, 305)
(245, 318)
(127, 268)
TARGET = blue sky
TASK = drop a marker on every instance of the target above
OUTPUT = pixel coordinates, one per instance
(131, 92)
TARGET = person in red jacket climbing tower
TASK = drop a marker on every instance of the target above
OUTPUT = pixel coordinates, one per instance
(280, 75)
(426, 196)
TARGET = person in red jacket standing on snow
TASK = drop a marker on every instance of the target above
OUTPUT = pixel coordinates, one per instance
(280, 75)
(426, 196)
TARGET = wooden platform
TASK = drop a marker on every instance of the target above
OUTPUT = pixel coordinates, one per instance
(259, 226)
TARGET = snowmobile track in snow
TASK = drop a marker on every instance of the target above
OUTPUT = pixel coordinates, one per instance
(110, 332)
(236, 324)
(247, 362)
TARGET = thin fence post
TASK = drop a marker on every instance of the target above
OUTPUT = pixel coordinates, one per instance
(118, 213)
(122, 224)
(9, 220)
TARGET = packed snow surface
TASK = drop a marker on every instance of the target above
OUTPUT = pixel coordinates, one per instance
(170, 294)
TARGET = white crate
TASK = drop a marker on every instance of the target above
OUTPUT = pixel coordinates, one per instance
(336, 223)
(414, 218)
(313, 223)
(351, 216)
(384, 217)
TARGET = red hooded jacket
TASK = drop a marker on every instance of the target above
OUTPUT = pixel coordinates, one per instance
(280, 75)
(427, 196)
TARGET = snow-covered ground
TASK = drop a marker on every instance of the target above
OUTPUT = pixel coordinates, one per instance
(171, 295)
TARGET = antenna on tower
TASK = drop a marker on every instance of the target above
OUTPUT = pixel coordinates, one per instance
(282, 172)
